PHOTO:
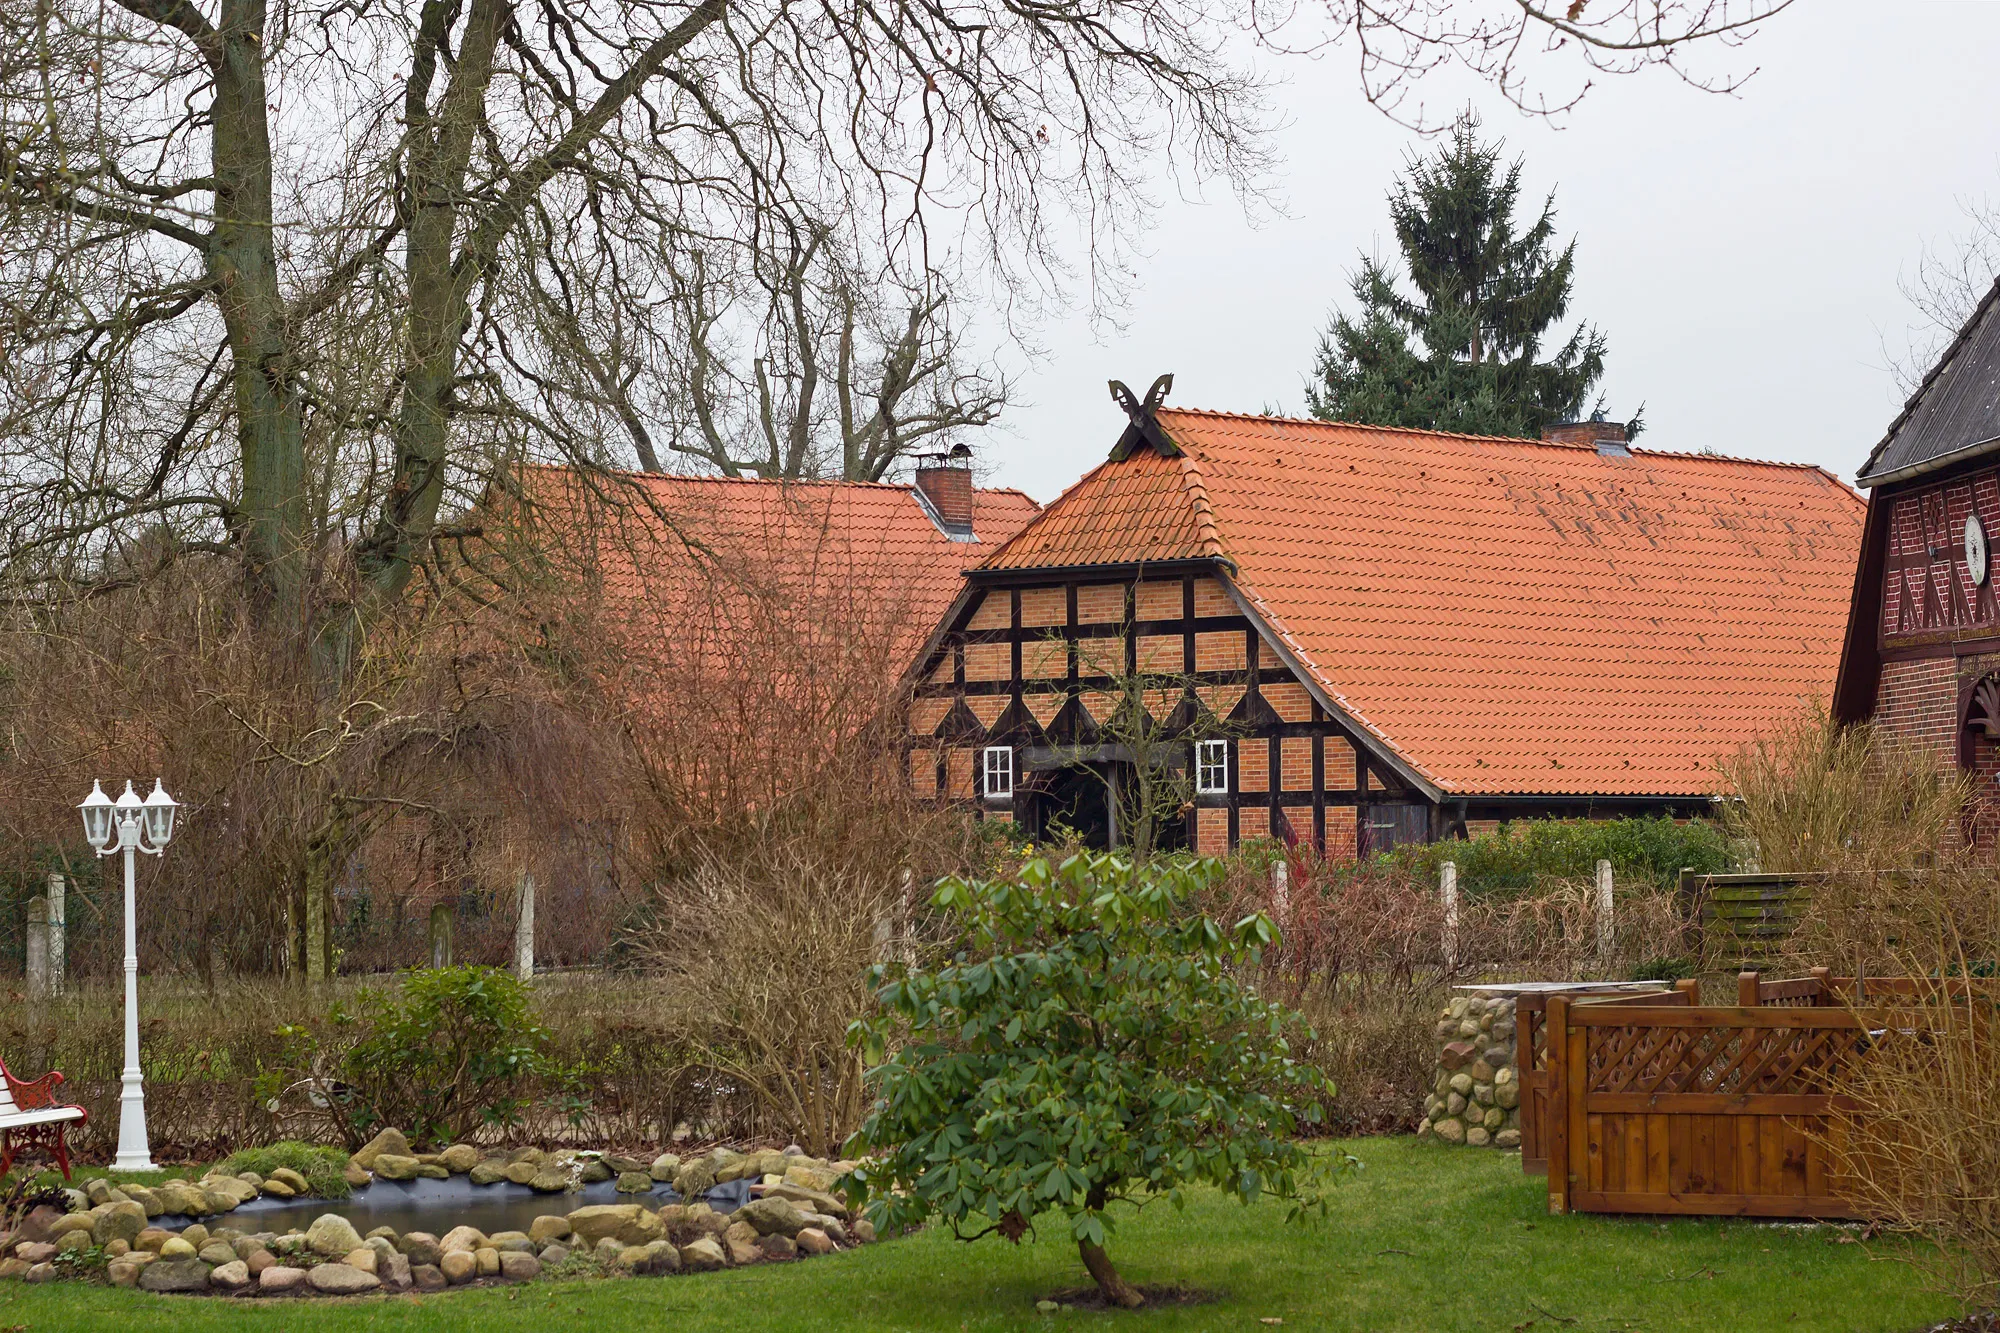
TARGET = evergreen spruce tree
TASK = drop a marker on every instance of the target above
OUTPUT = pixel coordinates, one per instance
(1466, 353)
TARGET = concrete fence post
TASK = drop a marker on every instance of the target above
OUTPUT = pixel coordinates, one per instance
(38, 948)
(892, 927)
(524, 931)
(1448, 896)
(441, 923)
(1607, 925)
(58, 929)
(1281, 890)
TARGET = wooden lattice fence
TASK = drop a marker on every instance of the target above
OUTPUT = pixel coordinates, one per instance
(1659, 1105)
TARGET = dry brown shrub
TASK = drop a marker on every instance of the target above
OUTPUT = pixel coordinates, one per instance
(1920, 1150)
(1901, 895)
(1363, 958)
(1821, 797)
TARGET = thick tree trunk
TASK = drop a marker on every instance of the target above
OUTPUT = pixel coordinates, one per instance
(242, 260)
(1115, 1288)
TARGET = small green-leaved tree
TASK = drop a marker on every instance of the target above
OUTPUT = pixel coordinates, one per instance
(1088, 1043)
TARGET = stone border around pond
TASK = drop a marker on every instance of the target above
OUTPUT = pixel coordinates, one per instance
(792, 1215)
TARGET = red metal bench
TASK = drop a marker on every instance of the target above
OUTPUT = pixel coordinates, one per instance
(30, 1116)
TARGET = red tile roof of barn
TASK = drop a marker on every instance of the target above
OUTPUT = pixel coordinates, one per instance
(855, 553)
(1510, 616)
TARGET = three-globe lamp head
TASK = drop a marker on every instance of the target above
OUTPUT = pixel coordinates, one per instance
(102, 816)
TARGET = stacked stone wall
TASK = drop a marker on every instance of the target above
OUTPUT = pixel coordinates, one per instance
(1475, 1096)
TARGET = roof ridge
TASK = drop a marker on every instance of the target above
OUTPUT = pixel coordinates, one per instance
(1196, 487)
(1360, 425)
(642, 476)
(1581, 448)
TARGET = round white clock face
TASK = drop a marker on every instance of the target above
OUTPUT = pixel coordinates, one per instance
(1975, 548)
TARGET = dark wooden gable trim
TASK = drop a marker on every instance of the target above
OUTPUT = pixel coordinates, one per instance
(960, 723)
(1860, 672)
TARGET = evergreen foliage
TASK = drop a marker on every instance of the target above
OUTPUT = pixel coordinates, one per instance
(1088, 1042)
(1525, 854)
(1467, 352)
(447, 1055)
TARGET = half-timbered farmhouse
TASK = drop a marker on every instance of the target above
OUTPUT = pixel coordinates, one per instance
(1922, 657)
(1380, 636)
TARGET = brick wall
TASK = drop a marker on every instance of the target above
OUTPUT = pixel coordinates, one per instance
(1340, 844)
(1218, 650)
(1043, 607)
(1160, 654)
(996, 611)
(1044, 659)
(989, 661)
(958, 774)
(1288, 699)
(1295, 764)
(1339, 760)
(1211, 832)
(1917, 707)
(1253, 764)
(1100, 603)
(1156, 600)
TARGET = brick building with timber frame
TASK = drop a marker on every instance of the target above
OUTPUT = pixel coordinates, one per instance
(1390, 635)
(1922, 657)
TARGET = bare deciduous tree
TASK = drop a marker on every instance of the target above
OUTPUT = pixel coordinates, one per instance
(1950, 279)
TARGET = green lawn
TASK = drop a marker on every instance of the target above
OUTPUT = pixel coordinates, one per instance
(1425, 1238)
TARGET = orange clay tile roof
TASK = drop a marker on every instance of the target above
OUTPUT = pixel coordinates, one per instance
(863, 557)
(1506, 616)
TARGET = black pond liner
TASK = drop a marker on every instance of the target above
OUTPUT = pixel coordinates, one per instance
(437, 1206)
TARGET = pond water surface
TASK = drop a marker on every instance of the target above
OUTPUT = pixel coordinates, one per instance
(436, 1206)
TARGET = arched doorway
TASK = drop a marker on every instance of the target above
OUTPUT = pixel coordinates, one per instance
(1979, 756)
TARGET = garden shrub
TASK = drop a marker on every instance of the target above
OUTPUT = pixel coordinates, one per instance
(322, 1166)
(445, 1053)
(1528, 854)
(1088, 1042)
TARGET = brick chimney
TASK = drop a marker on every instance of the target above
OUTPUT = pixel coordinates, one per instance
(1608, 437)
(945, 483)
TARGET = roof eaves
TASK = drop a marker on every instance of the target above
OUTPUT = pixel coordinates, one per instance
(1937, 464)
(1300, 661)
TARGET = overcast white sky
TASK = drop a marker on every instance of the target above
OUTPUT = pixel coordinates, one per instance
(1742, 253)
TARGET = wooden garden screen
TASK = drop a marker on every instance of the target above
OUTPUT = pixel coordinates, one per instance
(1677, 1108)
(1531, 1029)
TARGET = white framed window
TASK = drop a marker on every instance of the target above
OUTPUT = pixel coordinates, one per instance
(999, 769)
(1211, 767)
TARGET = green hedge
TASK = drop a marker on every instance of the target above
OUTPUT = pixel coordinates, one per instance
(1531, 852)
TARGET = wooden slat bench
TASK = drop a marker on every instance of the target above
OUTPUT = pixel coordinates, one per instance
(30, 1116)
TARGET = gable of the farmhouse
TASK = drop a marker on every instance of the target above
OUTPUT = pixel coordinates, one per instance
(1391, 635)
(1922, 656)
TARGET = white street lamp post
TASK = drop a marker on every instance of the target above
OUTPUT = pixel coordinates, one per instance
(126, 819)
